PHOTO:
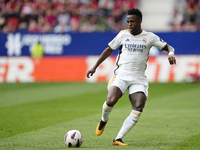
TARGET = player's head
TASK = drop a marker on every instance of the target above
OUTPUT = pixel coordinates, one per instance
(135, 11)
(134, 19)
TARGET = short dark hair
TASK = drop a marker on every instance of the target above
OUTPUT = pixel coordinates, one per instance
(135, 11)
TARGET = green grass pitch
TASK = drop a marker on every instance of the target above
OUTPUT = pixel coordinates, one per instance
(36, 116)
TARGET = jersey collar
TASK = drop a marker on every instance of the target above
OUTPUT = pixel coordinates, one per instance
(137, 34)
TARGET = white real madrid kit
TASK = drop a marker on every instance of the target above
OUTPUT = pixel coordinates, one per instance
(132, 59)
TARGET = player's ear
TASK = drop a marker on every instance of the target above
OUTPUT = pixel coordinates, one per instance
(140, 21)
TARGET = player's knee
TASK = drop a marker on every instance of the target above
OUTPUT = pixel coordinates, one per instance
(111, 100)
(138, 107)
(138, 101)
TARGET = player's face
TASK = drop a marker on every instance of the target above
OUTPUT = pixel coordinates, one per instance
(134, 24)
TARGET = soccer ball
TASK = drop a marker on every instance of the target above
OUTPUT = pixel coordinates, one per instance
(73, 138)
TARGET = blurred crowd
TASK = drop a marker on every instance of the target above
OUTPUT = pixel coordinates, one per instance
(186, 15)
(59, 16)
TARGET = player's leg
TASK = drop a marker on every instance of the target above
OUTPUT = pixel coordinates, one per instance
(114, 94)
(138, 100)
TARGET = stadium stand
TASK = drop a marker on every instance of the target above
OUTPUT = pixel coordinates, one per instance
(59, 16)
(44, 16)
(186, 15)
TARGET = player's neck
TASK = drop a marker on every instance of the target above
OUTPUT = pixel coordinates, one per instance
(138, 32)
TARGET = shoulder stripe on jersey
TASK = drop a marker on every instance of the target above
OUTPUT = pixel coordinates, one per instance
(125, 30)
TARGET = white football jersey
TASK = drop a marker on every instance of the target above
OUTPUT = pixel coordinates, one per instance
(134, 51)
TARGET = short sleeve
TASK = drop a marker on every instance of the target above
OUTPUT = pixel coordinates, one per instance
(158, 42)
(116, 42)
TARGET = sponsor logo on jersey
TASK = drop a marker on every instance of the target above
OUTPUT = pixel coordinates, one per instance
(135, 47)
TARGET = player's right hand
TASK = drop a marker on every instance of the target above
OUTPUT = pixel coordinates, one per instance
(90, 72)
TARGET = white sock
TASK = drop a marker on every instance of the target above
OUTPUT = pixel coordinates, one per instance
(105, 112)
(128, 124)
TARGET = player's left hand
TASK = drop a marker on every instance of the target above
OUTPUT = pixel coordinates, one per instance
(172, 59)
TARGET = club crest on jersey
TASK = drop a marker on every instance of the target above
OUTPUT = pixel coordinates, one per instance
(144, 40)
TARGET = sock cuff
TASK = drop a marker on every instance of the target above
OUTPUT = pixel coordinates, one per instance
(106, 106)
(138, 113)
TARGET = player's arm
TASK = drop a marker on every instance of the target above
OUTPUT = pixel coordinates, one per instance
(102, 57)
(171, 57)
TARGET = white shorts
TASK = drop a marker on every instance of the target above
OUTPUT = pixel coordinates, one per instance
(133, 86)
